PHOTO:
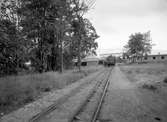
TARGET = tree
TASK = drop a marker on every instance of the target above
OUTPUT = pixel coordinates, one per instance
(45, 31)
(138, 45)
(8, 48)
(43, 24)
(13, 45)
(79, 25)
(147, 43)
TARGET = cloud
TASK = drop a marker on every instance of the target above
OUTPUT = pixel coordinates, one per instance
(131, 7)
(115, 20)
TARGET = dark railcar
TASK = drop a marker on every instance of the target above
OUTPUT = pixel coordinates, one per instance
(110, 61)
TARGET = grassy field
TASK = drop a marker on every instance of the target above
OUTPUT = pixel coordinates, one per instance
(16, 91)
(152, 77)
(145, 72)
(150, 84)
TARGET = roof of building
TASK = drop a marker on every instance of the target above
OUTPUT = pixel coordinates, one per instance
(88, 58)
(157, 55)
(91, 58)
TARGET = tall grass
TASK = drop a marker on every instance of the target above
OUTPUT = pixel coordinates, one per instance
(16, 91)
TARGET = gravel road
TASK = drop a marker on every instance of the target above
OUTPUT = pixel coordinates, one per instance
(126, 102)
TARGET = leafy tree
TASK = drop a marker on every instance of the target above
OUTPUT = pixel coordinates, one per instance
(87, 44)
(147, 43)
(8, 48)
(45, 31)
(80, 26)
(42, 24)
(12, 51)
(138, 45)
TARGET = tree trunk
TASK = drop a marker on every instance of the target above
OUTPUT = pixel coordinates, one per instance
(61, 50)
(79, 46)
(61, 56)
(79, 55)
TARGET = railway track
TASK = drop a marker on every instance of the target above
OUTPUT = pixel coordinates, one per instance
(51, 108)
(90, 110)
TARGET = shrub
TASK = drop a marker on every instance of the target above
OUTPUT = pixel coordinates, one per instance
(149, 87)
(129, 72)
(165, 80)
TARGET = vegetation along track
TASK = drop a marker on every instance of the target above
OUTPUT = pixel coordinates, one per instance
(89, 111)
(51, 108)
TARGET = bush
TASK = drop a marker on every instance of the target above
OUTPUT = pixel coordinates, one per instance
(165, 80)
(149, 86)
(129, 72)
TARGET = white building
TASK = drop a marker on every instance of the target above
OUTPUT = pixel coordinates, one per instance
(149, 58)
(154, 58)
(89, 60)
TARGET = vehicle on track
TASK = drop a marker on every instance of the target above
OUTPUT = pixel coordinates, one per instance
(110, 61)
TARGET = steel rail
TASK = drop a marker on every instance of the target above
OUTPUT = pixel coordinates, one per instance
(72, 117)
(53, 106)
(101, 97)
(94, 118)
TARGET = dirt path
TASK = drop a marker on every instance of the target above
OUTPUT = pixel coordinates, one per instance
(126, 102)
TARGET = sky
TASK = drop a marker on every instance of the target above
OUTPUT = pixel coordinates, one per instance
(116, 20)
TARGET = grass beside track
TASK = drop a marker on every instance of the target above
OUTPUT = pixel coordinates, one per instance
(151, 76)
(16, 91)
(153, 71)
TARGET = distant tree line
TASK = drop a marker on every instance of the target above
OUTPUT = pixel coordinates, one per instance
(138, 46)
(49, 33)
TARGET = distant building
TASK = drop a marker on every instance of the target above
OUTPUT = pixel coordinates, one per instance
(155, 58)
(104, 55)
(150, 58)
(88, 60)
